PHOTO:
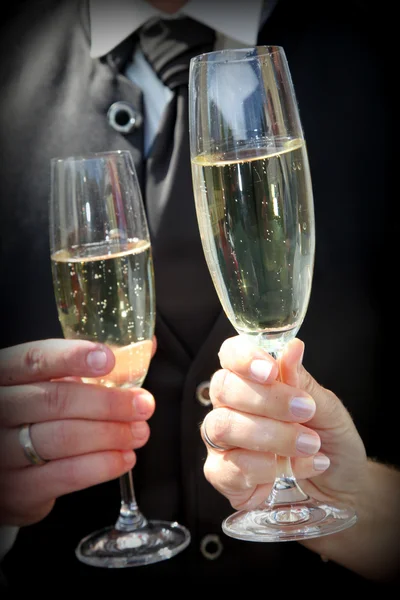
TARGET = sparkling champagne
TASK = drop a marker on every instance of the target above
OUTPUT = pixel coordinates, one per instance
(106, 294)
(258, 245)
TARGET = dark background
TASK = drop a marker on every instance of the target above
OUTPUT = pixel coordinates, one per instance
(359, 45)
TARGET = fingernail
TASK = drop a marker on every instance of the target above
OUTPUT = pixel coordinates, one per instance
(139, 429)
(260, 369)
(302, 407)
(141, 404)
(309, 444)
(128, 456)
(321, 463)
(97, 360)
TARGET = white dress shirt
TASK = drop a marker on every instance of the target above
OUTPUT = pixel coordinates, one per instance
(112, 22)
(235, 26)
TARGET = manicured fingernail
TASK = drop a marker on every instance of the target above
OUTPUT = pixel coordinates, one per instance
(260, 369)
(302, 407)
(97, 360)
(309, 444)
(321, 463)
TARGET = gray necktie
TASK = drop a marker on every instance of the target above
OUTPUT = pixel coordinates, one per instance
(188, 303)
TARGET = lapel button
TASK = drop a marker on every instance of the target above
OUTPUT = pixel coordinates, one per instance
(203, 393)
(123, 117)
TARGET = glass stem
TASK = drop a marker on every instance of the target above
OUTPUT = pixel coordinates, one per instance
(130, 518)
(285, 489)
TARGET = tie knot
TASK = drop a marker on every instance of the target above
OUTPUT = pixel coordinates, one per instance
(169, 45)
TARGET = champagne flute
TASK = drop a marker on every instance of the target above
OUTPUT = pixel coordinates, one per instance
(104, 287)
(254, 205)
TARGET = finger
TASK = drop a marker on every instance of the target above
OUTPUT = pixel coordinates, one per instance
(64, 439)
(237, 473)
(51, 359)
(290, 363)
(47, 401)
(330, 412)
(276, 401)
(229, 429)
(154, 347)
(37, 484)
(248, 360)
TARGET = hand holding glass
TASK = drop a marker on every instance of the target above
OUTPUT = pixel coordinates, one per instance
(254, 204)
(104, 288)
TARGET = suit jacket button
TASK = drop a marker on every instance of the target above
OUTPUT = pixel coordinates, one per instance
(123, 118)
(211, 546)
(203, 393)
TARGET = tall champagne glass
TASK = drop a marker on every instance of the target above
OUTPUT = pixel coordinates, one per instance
(104, 288)
(254, 206)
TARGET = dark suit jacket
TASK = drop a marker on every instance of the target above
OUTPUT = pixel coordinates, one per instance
(54, 101)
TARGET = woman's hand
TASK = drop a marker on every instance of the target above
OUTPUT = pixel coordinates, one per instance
(86, 433)
(255, 416)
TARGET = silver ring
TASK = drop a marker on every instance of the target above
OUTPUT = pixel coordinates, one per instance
(24, 437)
(207, 439)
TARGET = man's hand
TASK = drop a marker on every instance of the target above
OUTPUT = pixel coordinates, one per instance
(86, 433)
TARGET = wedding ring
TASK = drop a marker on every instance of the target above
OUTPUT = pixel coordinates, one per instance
(24, 437)
(207, 439)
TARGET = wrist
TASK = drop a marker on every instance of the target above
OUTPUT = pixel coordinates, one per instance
(371, 547)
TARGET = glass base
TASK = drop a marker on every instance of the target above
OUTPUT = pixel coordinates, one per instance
(289, 522)
(110, 548)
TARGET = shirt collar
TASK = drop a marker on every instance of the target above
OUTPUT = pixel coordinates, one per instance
(112, 22)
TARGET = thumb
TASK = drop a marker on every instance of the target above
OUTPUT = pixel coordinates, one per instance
(330, 411)
(290, 362)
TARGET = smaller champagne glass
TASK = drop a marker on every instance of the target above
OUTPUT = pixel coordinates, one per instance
(104, 288)
(254, 205)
